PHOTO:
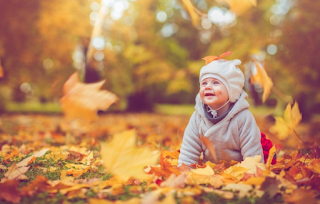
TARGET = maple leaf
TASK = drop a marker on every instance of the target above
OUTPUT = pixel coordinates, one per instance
(122, 158)
(39, 184)
(286, 124)
(239, 7)
(263, 79)
(301, 196)
(209, 59)
(84, 100)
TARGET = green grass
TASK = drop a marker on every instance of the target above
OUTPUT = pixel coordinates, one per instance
(32, 107)
(174, 109)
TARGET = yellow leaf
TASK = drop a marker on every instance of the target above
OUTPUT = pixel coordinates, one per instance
(272, 151)
(122, 158)
(84, 100)
(208, 171)
(239, 7)
(263, 79)
(286, 124)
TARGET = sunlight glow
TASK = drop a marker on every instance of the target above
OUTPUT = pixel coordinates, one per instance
(221, 17)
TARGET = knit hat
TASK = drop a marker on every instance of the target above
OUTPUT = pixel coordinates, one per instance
(228, 73)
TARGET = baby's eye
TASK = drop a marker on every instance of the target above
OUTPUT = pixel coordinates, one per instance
(204, 83)
(216, 82)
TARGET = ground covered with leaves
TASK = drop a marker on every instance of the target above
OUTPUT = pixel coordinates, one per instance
(45, 159)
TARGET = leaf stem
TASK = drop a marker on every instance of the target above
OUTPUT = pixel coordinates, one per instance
(298, 136)
(286, 98)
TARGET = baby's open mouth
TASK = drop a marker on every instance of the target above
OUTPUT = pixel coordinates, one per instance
(209, 94)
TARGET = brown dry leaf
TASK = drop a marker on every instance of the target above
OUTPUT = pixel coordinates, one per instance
(32, 158)
(15, 172)
(122, 158)
(210, 147)
(263, 79)
(175, 181)
(84, 100)
(301, 196)
(239, 7)
(9, 191)
(270, 185)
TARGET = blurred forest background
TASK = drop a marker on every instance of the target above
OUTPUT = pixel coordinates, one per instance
(150, 51)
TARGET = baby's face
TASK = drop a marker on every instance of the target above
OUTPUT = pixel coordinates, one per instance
(213, 92)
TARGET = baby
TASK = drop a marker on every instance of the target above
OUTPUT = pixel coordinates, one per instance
(221, 115)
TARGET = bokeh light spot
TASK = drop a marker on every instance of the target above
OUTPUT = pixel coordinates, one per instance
(161, 16)
(272, 49)
(98, 43)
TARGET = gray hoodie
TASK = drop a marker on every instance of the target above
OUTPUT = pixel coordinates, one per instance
(235, 137)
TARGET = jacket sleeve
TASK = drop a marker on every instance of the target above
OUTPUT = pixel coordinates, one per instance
(250, 136)
(191, 145)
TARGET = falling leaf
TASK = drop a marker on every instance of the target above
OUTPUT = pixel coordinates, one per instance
(209, 59)
(122, 158)
(192, 11)
(84, 100)
(1, 70)
(210, 147)
(239, 7)
(286, 124)
(263, 79)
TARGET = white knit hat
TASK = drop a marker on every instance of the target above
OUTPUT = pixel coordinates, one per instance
(228, 73)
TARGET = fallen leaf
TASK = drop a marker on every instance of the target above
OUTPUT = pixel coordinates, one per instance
(15, 172)
(9, 191)
(272, 152)
(84, 100)
(32, 158)
(175, 181)
(122, 158)
(270, 185)
(39, 184)
(301, 196)
(208, 171)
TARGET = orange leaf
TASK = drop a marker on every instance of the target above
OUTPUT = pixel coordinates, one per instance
(9, 191)
(39, 184)
(210, 147)
(84, 100)
(209, 59)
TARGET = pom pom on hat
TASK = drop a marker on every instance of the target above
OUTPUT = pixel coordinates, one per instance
(228, 73)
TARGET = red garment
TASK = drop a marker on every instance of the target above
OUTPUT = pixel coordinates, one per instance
(266, 146)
